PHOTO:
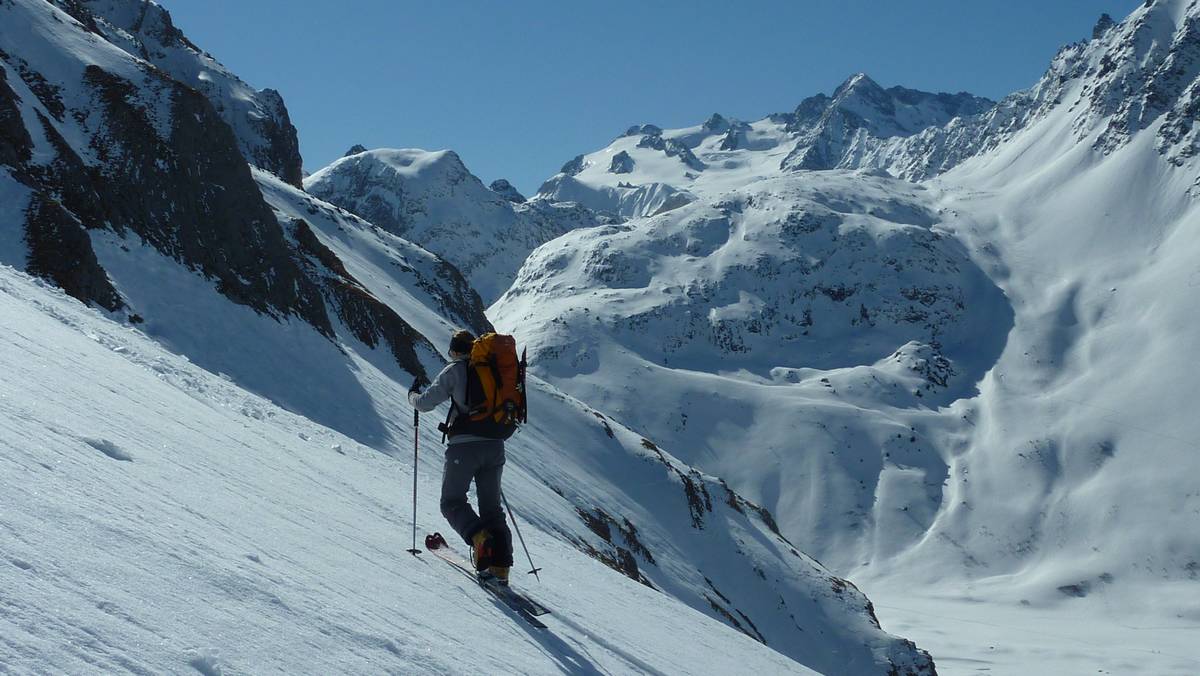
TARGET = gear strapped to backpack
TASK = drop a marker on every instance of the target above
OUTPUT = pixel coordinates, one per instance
(495, 403)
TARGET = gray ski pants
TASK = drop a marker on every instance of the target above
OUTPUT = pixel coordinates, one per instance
(483, 463)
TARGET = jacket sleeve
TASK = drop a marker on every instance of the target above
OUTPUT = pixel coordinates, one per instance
(439, 391)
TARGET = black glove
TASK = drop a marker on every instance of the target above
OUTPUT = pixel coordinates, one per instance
(418, 384)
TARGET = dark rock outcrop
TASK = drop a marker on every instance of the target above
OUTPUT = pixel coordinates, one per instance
(262, 126)
(15, 143)
(643, 129)
(192, 197)
(367, 318)
(716, 124)
(163, 164)
(573, 167)
(60, 251)
(672, 148)
(861, 112)
(507, 190)
(622, 163)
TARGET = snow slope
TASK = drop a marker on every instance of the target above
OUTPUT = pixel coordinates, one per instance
(1056, 478)
(431, 199)
(159, 519)
(785, 338)
(1079, 438)
(223, 532)
(132, 177)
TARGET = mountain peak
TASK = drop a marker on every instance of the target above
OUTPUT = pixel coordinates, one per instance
(857, 83)
(1104, 23)
(355, 149)
(507, 190)
(716, 124)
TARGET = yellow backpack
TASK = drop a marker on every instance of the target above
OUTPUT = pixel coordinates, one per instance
(496, 403)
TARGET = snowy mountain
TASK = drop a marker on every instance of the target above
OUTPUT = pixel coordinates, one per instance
(292, 533)
(431, 199)
(127, 189)
(649, 170)
(258, 118)
(755, 329)
(232, 393)
(970, 386)
(834, 132)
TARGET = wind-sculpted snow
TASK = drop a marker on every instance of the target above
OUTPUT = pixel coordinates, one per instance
(742, 329)
(430, 198)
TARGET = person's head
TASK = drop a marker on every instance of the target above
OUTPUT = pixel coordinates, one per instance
(460, 343)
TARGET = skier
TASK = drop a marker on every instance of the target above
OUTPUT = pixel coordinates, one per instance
(470, 456)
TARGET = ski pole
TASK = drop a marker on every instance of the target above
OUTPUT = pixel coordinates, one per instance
(533, 569)
(416, 444)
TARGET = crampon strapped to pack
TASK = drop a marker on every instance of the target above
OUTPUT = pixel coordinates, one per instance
(495, 403)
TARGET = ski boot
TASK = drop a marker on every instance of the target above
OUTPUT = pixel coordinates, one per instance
(482, 550)
(500, 574)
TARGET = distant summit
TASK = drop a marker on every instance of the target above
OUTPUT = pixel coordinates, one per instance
(506, 190)
(831, 129)
(432, 199)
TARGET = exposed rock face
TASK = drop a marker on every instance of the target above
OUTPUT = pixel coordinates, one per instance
(574, 166)
(192, 197)
(61, 252)
(15, 143)
(643, 130)
(371, 321)
(860, 112)
(59, 248)
(355, 149)
(105, 141)
(622, 163)
(260, 121)
(1126, 78)
(506, 190)
(716, 124)
(671, 147)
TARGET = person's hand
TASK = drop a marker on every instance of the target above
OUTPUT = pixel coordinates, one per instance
(418, 384)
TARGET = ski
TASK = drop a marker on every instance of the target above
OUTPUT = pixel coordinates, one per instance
(527, 603)
(524, 606)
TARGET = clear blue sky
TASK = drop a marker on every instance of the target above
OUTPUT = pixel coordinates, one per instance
(518, 88)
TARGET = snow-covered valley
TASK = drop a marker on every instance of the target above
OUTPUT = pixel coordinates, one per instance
(891, 379)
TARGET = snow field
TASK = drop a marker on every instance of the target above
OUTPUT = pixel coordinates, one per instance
(238, 537)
